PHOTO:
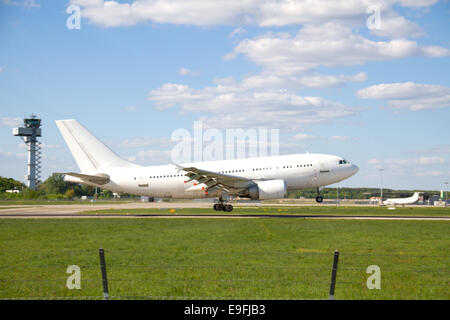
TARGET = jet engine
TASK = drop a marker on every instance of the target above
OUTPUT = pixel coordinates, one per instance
(270, 189)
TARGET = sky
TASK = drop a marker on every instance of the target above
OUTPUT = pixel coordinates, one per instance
(365, 80)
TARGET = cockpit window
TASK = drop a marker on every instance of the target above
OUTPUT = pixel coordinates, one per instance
(343, 161)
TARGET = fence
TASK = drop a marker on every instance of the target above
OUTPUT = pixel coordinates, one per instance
(258, 275)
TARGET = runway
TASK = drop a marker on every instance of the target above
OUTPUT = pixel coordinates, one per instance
(212, 216)
(84, 211)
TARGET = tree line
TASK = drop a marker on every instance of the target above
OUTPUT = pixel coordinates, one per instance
(357, 193)
(55, 188)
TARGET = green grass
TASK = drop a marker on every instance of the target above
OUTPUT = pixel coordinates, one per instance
(225, 258)
(288, 210)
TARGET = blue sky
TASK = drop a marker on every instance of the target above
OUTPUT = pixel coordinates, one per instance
(138, 70)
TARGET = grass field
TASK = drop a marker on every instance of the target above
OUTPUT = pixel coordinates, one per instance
(294, 210)
(225, 258)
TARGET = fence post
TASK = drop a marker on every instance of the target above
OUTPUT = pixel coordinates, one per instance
(333, 274)
(101, 252)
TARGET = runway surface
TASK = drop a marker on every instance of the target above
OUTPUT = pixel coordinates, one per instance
(211, 216)
(76, 212)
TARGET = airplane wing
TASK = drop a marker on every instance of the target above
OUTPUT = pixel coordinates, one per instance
(100, 178)
(215, 181)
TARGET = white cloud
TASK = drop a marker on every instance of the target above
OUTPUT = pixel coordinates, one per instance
(303, 137)
(395, 26)
(239, 31)
(417, 3)
(50, 146)
(329, 45)
(441, 149)
(31, 4)
(429, 160)
(10, 122)
(421, 167)
(130, 108)
(328, 36)
(199, 13)
(235, 105)
(161, 142)
(433, 173)
(275, 13)
(395, 163)
(8, 154)
(150, 157)
(11, 2)
(409, 95)
(327, 81)
(187, 72)
(342, 138)
(314, 80)
(26, 3)
(290, 61)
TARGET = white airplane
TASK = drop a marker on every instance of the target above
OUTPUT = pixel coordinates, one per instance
(255, 178)
(402, 201)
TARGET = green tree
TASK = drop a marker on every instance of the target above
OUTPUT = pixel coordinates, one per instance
(55, 184)
(106, 194)
(70, 194)
(10, 184)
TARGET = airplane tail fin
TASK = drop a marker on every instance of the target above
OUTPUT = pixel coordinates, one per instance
(89, 152)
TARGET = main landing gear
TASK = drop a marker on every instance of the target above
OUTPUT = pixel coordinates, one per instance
(221, 206)
(319, 197)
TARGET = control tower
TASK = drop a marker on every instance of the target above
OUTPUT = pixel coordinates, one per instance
(29, 134)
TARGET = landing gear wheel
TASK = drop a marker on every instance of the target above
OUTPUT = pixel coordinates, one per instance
(228, 208)
(319, 199)
(219, 206)
(215, 207)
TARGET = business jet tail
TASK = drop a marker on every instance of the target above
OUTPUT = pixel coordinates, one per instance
(90, 153)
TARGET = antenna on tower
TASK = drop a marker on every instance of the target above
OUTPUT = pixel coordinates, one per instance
(29, 134)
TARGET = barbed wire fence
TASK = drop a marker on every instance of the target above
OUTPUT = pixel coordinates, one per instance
(259, 275)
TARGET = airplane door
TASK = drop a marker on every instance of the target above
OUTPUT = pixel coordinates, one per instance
(324, 167)
(314, 175)
(142, 182)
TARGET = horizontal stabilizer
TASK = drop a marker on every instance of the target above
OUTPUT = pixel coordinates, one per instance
(99, 179)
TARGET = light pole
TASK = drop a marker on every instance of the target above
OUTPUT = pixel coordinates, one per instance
(381, 193)
(446, 187)
(337, 196)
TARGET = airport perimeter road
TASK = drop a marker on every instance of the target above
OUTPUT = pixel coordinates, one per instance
(77, 208)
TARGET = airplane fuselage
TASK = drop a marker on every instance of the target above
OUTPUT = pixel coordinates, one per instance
(299, 171)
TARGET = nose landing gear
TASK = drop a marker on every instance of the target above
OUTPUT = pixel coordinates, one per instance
(319, 197)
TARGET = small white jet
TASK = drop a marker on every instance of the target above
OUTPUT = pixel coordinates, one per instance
(254, 178)
(402, 201)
